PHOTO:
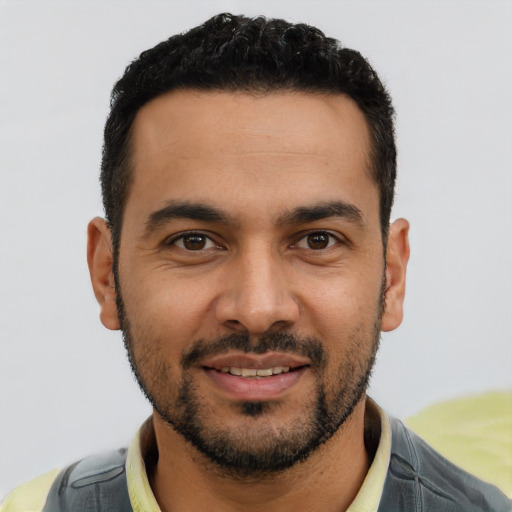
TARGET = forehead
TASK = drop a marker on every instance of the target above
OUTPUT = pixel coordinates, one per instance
(228, 148)
(217, 122)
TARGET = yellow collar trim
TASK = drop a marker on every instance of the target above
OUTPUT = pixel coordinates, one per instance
(141, 495)
(370, 493)
(367, 499)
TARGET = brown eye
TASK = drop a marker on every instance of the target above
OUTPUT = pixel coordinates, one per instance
(317, 241)
(194, 242)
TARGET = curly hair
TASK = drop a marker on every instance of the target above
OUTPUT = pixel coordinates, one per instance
(258, 55)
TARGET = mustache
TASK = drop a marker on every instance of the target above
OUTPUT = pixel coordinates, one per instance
(310, 347)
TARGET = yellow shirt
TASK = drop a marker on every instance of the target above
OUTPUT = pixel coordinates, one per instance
(31, 497)
(475, 432)
(367, 499)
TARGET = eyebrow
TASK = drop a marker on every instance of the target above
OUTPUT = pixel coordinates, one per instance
(207, 213)
(185, 210)
(305, 214)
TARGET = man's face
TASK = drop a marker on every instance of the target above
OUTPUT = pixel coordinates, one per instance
(251, 244)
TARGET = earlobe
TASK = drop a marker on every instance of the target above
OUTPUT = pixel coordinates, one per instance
(100, 261)
(397, 256)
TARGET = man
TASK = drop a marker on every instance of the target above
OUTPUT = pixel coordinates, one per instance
(247, 257)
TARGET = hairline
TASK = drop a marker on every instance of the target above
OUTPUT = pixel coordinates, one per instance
(127, 169)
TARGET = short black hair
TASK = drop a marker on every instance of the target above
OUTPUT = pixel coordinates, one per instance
(257, 55)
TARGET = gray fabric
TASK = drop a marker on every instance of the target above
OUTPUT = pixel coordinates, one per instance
(418, 480)
(421, 480)
(95, 484)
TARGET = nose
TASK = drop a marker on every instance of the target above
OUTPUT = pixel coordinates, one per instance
(257, 296)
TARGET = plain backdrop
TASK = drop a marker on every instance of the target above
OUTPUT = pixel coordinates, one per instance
(65, 386)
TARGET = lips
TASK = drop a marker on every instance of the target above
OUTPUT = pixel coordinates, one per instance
(256, 361)
(255, 377)
(255, 373)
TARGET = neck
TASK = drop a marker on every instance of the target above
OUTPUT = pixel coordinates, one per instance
(184, 480)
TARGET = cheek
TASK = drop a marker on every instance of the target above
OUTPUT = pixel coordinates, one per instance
(344, 314)
(170, 313)
(345, 299)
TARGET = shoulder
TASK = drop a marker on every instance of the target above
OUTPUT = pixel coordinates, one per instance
(474, 432)
(419, 478)
(83, 486)
(30, 496)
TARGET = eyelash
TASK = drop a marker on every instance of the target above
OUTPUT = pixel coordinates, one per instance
(198, 234)
(332, 240)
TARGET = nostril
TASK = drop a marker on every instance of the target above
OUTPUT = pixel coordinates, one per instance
(234, 324)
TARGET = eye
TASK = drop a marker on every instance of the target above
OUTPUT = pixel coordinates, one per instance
(317, 241)
(194, 242)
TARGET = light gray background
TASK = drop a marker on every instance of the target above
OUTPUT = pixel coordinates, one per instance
(65, 387)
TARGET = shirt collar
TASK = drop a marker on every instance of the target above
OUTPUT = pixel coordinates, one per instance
(370, 493)
(367, 499)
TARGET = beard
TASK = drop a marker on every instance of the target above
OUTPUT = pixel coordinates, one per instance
(256, 447)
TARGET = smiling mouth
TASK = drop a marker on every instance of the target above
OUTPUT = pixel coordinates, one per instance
(247, 378)
(256, 373)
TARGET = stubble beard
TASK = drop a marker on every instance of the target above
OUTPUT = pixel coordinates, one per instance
(254, 450)
(247, 453)
(257, 449)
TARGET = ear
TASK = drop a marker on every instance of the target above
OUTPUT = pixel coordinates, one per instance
(100, 260)
(397, 256)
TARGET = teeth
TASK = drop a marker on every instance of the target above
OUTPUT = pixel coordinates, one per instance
(253, 372)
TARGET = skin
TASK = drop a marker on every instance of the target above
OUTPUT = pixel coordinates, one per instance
(256, 158)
